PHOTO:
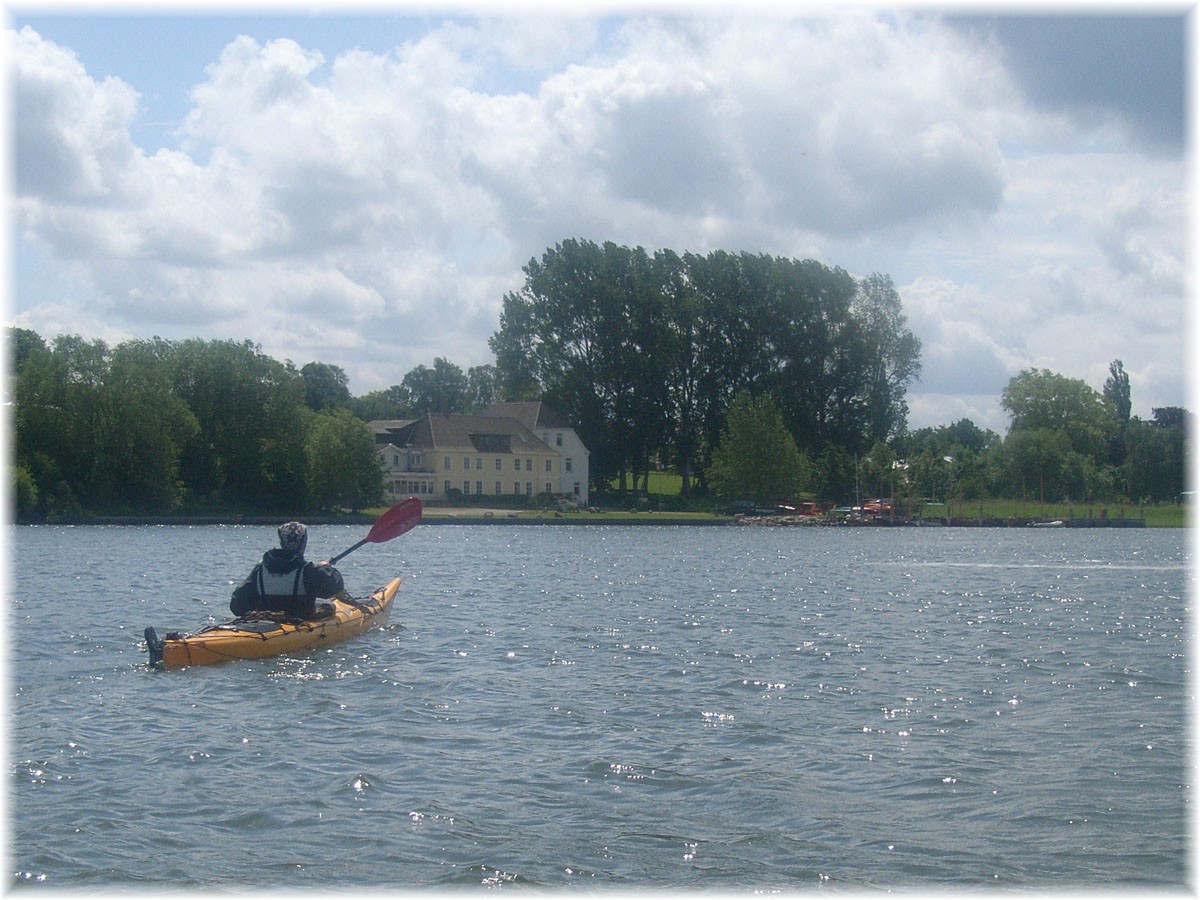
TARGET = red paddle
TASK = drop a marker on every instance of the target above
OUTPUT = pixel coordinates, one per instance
(402, 517)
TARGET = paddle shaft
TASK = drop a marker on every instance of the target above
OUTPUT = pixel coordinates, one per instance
(346, 553)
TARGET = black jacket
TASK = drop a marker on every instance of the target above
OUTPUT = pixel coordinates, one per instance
(284, 582)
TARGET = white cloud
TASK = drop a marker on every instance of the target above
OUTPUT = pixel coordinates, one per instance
(73, 143)
(371, 209)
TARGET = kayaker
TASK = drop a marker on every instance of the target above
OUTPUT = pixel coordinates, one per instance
(284, 581)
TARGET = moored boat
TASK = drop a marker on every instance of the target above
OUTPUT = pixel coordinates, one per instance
(259, 635)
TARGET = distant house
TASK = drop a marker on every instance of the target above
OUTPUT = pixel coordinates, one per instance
(555, 432)
(494, 454)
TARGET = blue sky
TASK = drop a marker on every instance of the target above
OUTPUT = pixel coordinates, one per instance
(363, 189)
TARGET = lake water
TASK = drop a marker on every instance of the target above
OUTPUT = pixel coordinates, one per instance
(610, 707)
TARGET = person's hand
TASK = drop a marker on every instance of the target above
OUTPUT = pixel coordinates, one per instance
(322, 564)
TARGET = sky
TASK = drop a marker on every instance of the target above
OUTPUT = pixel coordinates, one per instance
(362, 189)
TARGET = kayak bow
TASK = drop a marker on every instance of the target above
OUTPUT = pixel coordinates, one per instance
(257, 635)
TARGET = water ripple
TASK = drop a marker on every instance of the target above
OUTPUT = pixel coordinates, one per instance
(616, 708)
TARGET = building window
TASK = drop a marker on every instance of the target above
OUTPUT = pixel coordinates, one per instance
(549, 465)
(395, 460)
(529, 465)
(466, 464)
(446, 463)
(529, 489)
(499, 489)
(516, 487)
(499, 466)
(466, 487)
(549, 488)
(446, 488)
(558, 439)
(478, 463)
(577, 489)
(479, 487)
(567, 465)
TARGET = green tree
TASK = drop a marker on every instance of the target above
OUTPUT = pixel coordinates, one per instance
(442, 389)
(342, 467)
(645, 353)
(1117, 395)
(1116, 391)
(684, 437)
(325, 386)
(77, 376)
(816, 353)
(144, 430)
(1042, 466)
(25, 493)
(890, 357)
(970, 448)
(1155, 468)
(585, 330)
(1043, 399)
(38, 418)
(391, 403)
(731, 338)
(249, 452)
(757, 458)
(99, 428)
(481, 388)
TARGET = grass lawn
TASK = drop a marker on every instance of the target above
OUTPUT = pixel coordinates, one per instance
(1167, 515)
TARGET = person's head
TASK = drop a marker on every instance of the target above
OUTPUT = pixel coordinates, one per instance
(293, 537)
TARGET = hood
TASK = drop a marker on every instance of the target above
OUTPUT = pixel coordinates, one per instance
(279, 561)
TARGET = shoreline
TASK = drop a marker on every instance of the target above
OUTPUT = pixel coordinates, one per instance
(483, 516)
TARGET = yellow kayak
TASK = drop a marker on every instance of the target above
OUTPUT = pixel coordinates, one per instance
(257, 635)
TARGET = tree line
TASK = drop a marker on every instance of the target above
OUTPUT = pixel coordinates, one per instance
(200, 426)
(752, 376)
(644, 353)
(1067, 441)
(156, 426)
(766, 378)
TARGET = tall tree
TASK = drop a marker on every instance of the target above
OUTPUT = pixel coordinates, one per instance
(584, 330)
(729, 337)
(645, 354)
(1116, 393)
(683, 439)
(891, 357)
(820, 370)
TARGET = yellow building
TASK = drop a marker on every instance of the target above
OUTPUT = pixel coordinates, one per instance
(440, 454)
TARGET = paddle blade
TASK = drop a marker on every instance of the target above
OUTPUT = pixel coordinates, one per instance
(402, 517)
